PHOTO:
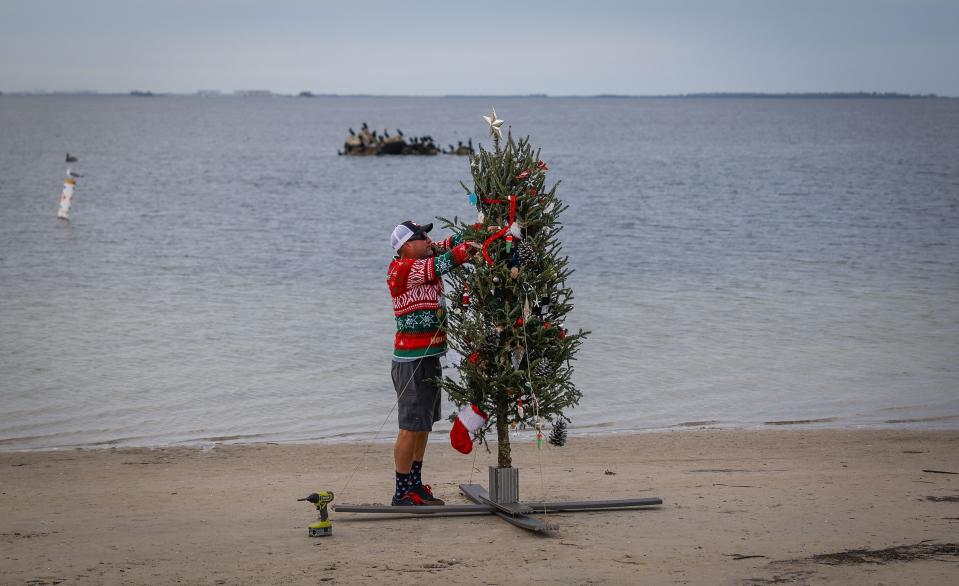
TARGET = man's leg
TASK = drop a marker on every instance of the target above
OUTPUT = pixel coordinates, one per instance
(431, 371)
(410, 446)
(418, 407)
(416, 470)
(420, 448)
(403, 374)
(403, 461)
(405, 450)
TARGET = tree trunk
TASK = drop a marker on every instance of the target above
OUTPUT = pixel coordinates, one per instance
(502, 436)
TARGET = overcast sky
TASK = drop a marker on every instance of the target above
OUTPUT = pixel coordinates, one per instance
(488, 47)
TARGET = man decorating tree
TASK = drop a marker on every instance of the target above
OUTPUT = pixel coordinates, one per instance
(415, 279)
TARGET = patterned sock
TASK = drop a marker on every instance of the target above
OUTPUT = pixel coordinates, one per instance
(416, 471)
(404, 484)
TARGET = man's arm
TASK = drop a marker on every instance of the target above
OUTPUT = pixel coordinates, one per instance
(409, 273)
(447, 261)
(449, 243)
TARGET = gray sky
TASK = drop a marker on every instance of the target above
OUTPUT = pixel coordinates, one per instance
(488, 47)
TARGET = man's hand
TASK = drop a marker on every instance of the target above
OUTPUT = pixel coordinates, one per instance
(476, 248)
(462, 252)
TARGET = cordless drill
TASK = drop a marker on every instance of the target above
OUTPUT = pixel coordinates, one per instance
(324, 526)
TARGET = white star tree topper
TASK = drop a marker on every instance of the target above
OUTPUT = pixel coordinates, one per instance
(494, 124)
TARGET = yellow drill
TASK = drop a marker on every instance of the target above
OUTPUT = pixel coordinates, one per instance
(324, 526)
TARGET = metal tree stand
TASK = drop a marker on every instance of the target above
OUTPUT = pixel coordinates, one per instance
(503, 501)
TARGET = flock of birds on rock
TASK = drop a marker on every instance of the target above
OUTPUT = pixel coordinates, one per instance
(369, 142)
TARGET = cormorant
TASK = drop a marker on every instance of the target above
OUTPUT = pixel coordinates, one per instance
(71, 158)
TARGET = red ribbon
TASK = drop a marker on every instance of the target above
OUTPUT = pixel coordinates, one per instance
(512, 218)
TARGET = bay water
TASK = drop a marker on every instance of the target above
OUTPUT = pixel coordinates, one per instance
(740, 262)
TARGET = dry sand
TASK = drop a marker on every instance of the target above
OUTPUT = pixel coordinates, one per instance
(740, 507)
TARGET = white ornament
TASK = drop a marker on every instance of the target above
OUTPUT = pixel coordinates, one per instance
(516, 229)
(517, 357)
(494, 124)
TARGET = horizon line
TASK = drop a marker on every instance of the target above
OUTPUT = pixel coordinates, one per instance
(247, 93)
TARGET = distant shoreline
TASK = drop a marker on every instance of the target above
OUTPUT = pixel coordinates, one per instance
(696, 96)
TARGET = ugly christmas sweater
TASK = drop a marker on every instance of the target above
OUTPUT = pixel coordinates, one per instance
(416, 286)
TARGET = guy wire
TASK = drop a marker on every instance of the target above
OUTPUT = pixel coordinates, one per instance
(529, 377)
(366, 451)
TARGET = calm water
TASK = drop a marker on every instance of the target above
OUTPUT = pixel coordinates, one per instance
(222, 278)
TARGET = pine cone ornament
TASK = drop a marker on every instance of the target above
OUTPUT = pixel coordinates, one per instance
(527, 255)
(557, 437)
(491, 341)
(543, 369)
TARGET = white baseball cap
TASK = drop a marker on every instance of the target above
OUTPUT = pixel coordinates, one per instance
(405, 231)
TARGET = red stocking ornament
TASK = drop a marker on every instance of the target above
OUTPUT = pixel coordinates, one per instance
(468, 420)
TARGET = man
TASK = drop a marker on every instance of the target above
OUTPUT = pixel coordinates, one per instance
(415, 279)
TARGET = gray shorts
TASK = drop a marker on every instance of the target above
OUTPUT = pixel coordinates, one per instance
(418, 395)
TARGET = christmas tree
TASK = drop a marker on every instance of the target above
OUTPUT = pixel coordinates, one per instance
(506, 314)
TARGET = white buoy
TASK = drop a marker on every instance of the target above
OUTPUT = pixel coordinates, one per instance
(66, 197)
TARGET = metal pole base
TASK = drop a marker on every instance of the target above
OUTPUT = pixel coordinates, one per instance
(504, 485)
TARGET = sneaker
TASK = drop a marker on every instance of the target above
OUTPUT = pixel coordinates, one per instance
(410, 499)
(425, 492)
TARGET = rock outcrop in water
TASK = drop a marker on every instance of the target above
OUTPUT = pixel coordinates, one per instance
(369, 142)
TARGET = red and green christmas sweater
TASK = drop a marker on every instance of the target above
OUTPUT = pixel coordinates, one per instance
(416, 286)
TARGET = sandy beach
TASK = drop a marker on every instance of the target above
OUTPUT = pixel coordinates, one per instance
(739, 507)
